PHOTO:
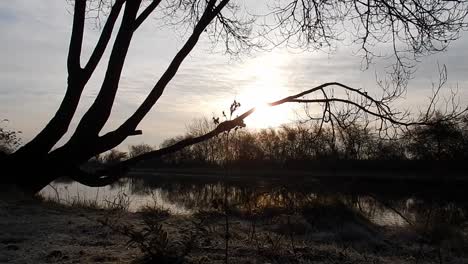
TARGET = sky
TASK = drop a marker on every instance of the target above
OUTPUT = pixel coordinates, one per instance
(35, 38)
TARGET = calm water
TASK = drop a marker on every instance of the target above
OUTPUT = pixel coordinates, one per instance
(383, 204)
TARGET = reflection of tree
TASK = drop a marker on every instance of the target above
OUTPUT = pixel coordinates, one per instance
(370, 203)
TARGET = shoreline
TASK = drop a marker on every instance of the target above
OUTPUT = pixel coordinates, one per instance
(435, 173)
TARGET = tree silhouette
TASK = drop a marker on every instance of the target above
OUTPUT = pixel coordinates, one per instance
(444, 140)
(9, 139)
(412, 28)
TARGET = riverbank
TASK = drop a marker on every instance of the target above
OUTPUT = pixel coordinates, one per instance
(33, 231)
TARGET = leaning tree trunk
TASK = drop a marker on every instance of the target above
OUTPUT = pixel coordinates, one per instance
(30, 174)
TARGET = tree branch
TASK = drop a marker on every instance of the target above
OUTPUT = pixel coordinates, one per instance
(144, 15)
(103, 39)
(97, 115)
(114, 138)
(76, 41)
(43, 142)
(115, 172)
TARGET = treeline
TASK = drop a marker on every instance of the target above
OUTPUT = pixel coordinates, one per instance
(306, 145)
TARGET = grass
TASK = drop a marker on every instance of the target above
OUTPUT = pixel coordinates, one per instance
(327, 215)
(75, 202)
(119, 202)
(320, 231)
(154, 212)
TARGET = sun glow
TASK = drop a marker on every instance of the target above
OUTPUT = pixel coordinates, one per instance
(267, 83)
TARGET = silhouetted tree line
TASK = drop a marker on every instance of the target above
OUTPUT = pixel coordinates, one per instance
(304, 145)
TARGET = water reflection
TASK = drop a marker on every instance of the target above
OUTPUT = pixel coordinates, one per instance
(383, 205)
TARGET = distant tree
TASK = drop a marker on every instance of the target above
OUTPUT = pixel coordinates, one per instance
(176, 157)
(9, 139)
(113, 156)
(137, 150)
(357, 141)
(270, 144)
(208, 151)
(388, 150)
(246, 148)
(411, 28)
(442, 140)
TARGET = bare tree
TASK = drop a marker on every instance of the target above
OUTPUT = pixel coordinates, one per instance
(136, 150)
(114, 156)
(411, 27)
(9, 139)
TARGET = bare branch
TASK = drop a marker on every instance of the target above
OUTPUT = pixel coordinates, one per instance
(103, 39)
(114, 138)
(369, 105)
(412, 28)
(76, 41)
(144, 15)
(97, 115)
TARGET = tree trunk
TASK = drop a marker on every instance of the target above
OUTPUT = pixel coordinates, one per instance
(28, 175)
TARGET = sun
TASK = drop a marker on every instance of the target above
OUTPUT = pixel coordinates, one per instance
(266, 116)
(267, 83)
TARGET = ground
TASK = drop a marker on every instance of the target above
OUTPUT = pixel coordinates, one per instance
(34, 231)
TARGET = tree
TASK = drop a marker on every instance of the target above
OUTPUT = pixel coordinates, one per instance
(136, 150)
(207, 151)
(442, 140)
(9, 140)
(412, 28)
(114, 156)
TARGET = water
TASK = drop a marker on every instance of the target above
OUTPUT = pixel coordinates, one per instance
(67, 192)
(383, 204)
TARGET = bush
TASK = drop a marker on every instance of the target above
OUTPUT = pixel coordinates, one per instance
(153, 240)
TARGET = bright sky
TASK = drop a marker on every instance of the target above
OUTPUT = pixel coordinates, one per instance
(35, 35)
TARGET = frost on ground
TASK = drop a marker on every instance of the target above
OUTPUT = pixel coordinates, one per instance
(32, 232)
(44, 232)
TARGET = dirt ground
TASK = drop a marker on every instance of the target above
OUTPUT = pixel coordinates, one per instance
(32, 232)
(43, 232)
